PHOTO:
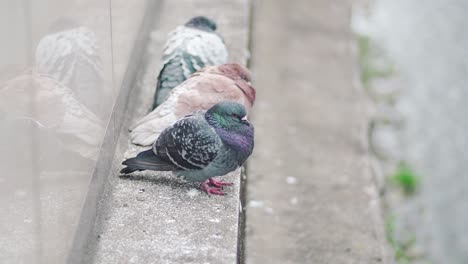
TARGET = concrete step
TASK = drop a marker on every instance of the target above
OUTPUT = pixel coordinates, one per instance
(310, 188)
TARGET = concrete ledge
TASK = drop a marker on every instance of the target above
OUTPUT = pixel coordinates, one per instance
(154, 217)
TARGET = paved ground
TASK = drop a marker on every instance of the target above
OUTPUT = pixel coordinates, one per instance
(311, 192)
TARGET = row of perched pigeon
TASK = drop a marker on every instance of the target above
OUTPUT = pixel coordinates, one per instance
(198, 127)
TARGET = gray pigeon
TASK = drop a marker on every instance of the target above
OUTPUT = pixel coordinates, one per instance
(189, 48)
(201, 146)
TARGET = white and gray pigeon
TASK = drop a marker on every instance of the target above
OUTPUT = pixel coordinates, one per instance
(72, 57)
(189, 48)
(201, 146)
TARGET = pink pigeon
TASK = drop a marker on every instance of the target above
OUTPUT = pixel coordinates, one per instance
(204, 89)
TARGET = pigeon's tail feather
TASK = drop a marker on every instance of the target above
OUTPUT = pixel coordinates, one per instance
(128, 170)
(146, 160)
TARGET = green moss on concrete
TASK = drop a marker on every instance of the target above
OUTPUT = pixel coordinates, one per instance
(372, 62)
(402, 249)
(406, 179)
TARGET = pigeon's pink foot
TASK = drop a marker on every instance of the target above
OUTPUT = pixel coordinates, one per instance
(219, 184)
(211, 190)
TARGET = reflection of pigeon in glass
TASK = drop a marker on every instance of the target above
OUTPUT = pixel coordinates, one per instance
(26, 142)
(201, 146)
(72, 57)
(53, 106)
(201, 91)
(189, 48)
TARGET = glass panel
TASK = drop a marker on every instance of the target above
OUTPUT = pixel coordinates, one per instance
(56, 95)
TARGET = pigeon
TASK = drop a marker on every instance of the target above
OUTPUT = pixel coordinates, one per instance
(200, 146)
(190, 48)
(205, 88)
(71, 56)
(53, 107)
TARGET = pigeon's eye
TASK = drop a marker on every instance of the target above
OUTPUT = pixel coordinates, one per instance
(236, 116)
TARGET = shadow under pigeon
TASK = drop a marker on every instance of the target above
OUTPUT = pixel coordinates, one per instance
(173, 182)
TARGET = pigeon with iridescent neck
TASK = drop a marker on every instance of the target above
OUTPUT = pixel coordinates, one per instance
(201, 146)
(205, 88)
(189, 48)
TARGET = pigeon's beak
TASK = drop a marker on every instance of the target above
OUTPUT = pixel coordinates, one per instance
(245, 121)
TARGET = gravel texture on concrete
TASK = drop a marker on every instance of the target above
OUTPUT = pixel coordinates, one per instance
(151, 217)
(311, 194)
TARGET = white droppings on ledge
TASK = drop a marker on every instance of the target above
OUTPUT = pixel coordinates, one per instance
(255, 204)
(193, 193)
(216, 236)
(293, 201)
(291, 180)
(269, 210)
(215, 220)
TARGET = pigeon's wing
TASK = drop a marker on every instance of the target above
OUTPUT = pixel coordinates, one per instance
(179, 57)
(187, 51)
(169, 77)
(175, 71)
(177, 64)
(209, 90)
(191, 143)
(207, 47)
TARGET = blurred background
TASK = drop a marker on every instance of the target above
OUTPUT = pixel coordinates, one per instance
(414, 64)
(62, 64)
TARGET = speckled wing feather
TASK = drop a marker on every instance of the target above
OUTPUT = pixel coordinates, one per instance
(199, 92)
(191, 143)
(169, 77)
(187, 51)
